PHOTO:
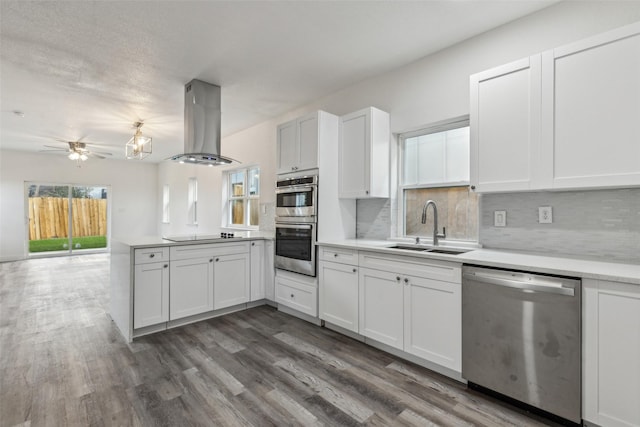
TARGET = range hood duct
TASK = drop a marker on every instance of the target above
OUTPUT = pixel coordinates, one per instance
(202, 119)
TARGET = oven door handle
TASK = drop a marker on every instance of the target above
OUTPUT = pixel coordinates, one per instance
(296, 226)
(295, 189)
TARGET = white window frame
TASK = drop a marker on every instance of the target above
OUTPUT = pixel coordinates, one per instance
(248, 198)
(442, 126)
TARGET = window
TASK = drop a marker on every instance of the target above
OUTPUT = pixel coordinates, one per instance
(192, 201)
(165, 204)
(435, 166)
(243, 197)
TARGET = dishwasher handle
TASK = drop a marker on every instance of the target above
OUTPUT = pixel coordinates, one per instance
(522, 285)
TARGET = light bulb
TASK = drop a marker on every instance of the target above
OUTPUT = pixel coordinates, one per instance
(74, 156)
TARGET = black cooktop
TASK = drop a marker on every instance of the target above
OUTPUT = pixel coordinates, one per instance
(193, 237)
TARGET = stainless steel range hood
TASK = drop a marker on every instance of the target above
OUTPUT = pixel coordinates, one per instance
(202, 119)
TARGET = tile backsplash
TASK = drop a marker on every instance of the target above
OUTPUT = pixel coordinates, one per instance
(597, 223)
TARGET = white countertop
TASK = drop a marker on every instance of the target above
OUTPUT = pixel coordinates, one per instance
(148, 241)
(563, 265)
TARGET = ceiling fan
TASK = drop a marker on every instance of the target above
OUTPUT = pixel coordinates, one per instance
(77, 150)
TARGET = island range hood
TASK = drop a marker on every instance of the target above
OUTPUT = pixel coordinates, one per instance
(202, 119)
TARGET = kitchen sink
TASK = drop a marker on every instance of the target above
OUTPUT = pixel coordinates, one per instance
(417, 248)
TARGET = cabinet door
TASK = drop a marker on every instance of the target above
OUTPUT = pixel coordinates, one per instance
(287, 147)
(231, 283)
(339, 294)
(591, 104)
(433, 321)
(308, 142)
(191, 290)
(381, 307)
(611, 341)
(505, 126)
(257, 271)
(150, 294)
(354, 159)
(269, 271)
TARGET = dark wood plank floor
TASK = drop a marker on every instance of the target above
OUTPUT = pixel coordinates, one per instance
(64, 363)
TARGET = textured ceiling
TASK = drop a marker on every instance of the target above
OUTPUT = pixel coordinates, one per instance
(85, 69)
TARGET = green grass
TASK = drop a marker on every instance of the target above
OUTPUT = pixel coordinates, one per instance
(48, 245)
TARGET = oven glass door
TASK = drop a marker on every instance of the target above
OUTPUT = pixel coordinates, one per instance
(296, 202)
(295, 248)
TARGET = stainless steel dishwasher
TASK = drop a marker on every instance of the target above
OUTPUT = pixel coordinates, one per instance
(521, 338)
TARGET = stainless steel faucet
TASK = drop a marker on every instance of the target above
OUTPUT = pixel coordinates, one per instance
(436, 235)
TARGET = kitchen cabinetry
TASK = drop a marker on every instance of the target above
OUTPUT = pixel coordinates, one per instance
(299, 140)
(505, 126)
(539, 123)
(258, 271)
(338, 287)
(591, 106)
(297, 291)
(363, 160)
(231, 280)
(191, 290)
(151, 287)
(611, 359)
(414, 305)
(208, 277)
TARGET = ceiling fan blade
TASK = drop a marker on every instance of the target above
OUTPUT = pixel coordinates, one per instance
(103, 153)
(92, 154)
(56, 148)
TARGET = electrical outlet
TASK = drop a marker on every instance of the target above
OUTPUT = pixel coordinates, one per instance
(500, 218)
(545, 215)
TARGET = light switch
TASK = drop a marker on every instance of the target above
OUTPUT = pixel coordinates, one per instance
(545, 215)
(500, 218)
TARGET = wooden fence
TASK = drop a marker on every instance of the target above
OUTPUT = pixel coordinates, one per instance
(49, 217)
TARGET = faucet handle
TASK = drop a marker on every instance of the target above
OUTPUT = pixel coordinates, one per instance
(443, 234)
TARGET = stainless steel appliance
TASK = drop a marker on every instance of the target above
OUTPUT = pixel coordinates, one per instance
(297, 196)
(521, 338)
(296, 246)
(296, 223)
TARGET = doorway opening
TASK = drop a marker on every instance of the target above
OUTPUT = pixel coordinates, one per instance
(66, 219)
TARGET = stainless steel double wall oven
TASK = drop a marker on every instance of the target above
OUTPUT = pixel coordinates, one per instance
(296, 223)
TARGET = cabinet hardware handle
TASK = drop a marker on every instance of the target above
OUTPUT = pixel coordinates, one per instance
(398, 278)
(406, 280)
(473, 187)
(253, 243)
(217, 259)
(211, 260)
(152, 255)
(166, 265)
(335, 255)
(291, 295)
(354, 270)
(366, 192)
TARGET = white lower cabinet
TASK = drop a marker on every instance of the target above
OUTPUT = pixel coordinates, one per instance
(433, 321)
(258, 271)
(381, 307)
(611, 359)
(338, 302)
(231, 275)
(191, 290)
(297, 291)
(151, 294)
(414, 305)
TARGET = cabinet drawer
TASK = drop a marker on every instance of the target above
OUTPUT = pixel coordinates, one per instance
(296, 295)
(420, 267)
(341, 255)
(208, 249)
(147, 255)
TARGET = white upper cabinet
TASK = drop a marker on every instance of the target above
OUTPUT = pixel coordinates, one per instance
(566, 118)
(505, 126)
(591, 110)
(363, 154)
(297, 144)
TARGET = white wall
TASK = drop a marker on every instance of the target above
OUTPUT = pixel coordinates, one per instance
(133, 197)
(436, 87)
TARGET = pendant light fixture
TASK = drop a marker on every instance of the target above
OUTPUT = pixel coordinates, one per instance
(139, 146)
